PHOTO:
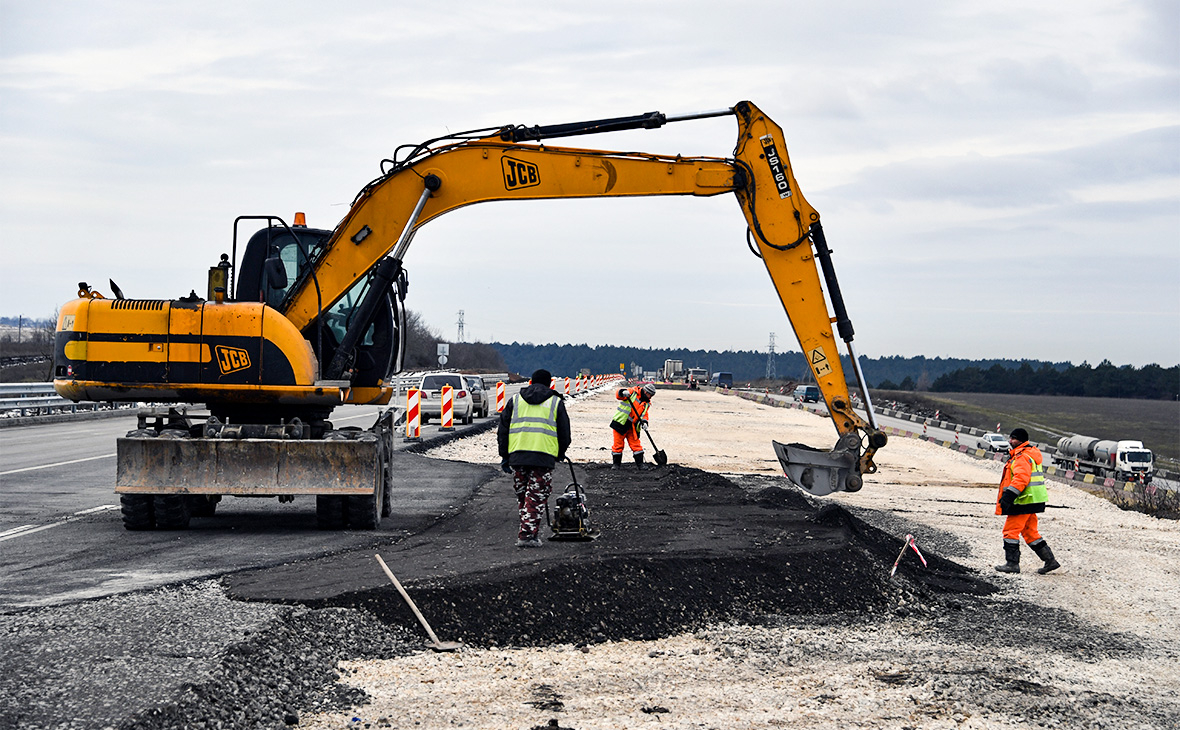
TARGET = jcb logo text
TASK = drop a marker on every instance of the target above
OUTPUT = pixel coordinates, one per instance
(232, 359)
(519, 174)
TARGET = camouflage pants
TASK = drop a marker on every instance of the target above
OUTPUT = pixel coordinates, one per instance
(532, 486)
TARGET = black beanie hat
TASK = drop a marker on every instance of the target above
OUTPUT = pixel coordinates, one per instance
(541, 376)
(1019, 434)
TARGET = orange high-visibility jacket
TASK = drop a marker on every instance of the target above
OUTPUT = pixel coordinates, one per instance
(639, 407)
(1018, 472)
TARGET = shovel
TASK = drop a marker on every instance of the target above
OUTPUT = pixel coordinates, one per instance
(660, 457)
(436, 644)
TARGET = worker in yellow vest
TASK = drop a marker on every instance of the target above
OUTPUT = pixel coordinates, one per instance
(533, 435)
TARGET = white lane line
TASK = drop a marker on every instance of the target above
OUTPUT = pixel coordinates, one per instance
(30, 529)
(60, 463)
(15, 530)
(99, 508)
(30, 532)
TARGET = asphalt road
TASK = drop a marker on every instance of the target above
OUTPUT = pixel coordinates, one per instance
(62, 537)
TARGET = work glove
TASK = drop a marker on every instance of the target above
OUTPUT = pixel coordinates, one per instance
(643, 423)
(1007, 502)
(504, 467)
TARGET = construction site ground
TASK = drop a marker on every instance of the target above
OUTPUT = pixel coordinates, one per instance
(716, 597)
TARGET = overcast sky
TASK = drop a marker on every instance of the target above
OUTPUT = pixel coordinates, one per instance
(996, 179)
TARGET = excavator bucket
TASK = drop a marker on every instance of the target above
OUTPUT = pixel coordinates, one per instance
(817, 471)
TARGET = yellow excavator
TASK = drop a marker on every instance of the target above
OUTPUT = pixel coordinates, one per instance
(309, 320)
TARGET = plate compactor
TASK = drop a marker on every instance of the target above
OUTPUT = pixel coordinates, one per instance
(571, 520)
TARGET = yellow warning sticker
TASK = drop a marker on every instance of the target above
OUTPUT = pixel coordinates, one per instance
(819, 362)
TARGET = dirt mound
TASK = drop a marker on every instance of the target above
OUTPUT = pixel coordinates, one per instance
(680, 549)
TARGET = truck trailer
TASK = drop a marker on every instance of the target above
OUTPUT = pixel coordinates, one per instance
(1123, 460)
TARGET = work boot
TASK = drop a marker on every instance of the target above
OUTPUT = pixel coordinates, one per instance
(616, 461)
(528, 542)
(1041, 548)
(1011, 558)
(639, 462)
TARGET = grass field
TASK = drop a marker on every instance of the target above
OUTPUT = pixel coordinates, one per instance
(1048, 418)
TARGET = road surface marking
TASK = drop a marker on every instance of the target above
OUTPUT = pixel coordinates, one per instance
(30, 529)
(50, 466)
(15, 530)
(99, 508)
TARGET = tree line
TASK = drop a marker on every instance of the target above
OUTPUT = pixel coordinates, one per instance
(1151, 382)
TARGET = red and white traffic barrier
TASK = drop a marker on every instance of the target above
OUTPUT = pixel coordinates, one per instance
(567, 386)
(448, 409)
(413, 415)
(499, 396)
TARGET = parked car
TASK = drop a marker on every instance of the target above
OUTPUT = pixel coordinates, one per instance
(721, 380)
(430, 392)
(807, 394)
(994, 442)
(479, 395)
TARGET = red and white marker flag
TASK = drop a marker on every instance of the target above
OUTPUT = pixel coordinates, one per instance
(910, 542)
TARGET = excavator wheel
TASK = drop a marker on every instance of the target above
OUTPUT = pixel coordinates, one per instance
(364, 511)
(202, 505)
(172, 511)
(137, 511)
(330, 511)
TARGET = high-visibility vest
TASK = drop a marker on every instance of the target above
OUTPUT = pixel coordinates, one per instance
(1035, 492)
(629, 410)
(533, 427)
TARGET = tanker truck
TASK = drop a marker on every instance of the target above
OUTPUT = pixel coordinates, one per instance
(1123, 460)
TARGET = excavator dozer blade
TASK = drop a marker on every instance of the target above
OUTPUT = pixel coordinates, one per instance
(256, 467)
(818, 471)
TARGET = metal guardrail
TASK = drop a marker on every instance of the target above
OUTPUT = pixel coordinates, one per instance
(19, 400)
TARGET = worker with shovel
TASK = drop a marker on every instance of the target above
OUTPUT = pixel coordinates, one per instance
(631, 415)
(533, 435)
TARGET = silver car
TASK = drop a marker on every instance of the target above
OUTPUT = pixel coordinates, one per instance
(430, 393)
(994, 442)
(479, 395)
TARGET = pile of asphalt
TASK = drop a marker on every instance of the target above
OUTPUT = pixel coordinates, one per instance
(679, 549)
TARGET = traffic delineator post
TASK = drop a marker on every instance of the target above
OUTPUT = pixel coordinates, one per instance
(499, 396)
(413, 415)
(448, 409)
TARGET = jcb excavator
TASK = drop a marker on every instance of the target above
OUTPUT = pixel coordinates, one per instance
(309, 320)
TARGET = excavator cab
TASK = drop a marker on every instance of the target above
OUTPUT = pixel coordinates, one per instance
(275, 262)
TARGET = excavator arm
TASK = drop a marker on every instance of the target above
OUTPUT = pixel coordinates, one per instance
(514, 163)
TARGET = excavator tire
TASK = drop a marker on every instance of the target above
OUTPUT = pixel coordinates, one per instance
(137, 511)
(330, 511)
(202, 505)
(386, 502)
(172, 511)
(364, 512)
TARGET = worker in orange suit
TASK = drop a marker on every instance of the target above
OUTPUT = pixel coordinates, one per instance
(630, 416)
(1022, 496)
